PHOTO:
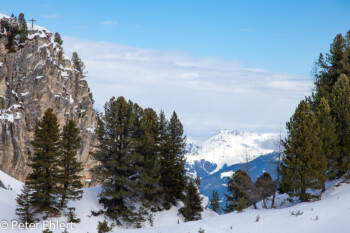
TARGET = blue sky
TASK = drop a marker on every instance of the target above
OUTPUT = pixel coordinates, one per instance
(218, 41)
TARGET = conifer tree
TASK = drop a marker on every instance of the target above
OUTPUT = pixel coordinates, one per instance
(23, 29)
(329, 138)
(117, 153)
(78, 64)
(264, 187)
(232, 196)
(345, 63)
(304, 163)
(70, 179)
(24, 208)
(173, 173)
(340, 107)
(215, 202)
(45, 162)
(150, 163)
(193, 202)
(238, 187)
(58, 39)
(328, 69)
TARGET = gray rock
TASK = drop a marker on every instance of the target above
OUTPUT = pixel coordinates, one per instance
(32, 79)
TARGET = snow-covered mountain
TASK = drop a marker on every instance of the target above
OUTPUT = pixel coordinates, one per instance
(230, 147)
(218, 157)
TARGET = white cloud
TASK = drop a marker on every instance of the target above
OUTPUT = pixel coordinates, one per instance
(208, 94)
(109, 23)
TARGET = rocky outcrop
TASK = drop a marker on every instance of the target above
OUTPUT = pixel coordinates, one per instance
(33, 78)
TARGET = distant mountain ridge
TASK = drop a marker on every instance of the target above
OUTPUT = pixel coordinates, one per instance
(217, 158)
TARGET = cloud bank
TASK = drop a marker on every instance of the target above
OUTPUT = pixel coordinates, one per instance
(207, 93)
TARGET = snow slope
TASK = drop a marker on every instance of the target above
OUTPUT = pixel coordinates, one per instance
(83, 208)
(330, 214)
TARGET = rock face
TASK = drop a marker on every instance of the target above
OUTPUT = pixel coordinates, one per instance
(33, 78)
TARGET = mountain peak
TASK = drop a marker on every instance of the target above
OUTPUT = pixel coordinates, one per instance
(231, 147)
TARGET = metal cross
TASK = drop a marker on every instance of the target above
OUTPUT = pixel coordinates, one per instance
(33, 20)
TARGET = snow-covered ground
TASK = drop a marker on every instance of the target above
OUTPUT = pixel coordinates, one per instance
(330, 214)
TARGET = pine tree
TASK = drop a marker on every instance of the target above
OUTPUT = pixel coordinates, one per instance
(193, 202)
(345, 63)
(304, 165)
(150, 163)
(70, 179)
(329, 138)
(240, 186)
(58, 39)
(103, 227)
(23, 29)
(328, 69)
(197, 181)
(173, 173)
(215, 202)
(45, 162)
(231, 196)
(119, 161)
(78, 64)
(24, 208)
(264, 187)
(340, 107)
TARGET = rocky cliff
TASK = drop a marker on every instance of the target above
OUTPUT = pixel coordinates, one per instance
(35, 77)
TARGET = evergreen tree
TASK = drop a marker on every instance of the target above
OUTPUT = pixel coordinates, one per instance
(345, 63)
(78, 64)
(197, 181)
(231, 196)
(24, 208)
(150, 163)
(70, 179)
(45, 162)
(329, 138)
(119, 160)
(304, 163)
(264, 187)
(23, 29)
(173, 173)
(238, 187)
(103, 227)
(193, 203)
(340, 107)
(215, 202)
(58, 39)
(328, 69)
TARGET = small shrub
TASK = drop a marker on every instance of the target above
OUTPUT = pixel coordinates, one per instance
(96, 213)
(103, 227)
(201, 230)
(151, 219)
(296, 213)
(257, 218)
(47, 231)
(2, 185)
(72, 216)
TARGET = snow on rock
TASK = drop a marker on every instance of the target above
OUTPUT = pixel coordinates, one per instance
(90, 129)
(24, 93)
(226, 174)
(39, 77)
(1, 63)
